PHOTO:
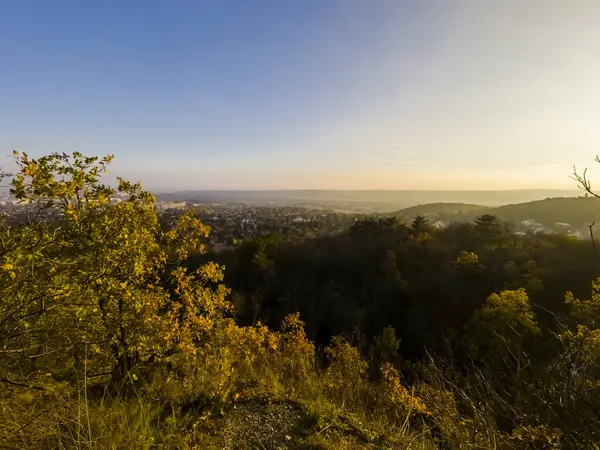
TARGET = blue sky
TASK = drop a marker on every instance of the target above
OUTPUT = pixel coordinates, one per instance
(342, 94)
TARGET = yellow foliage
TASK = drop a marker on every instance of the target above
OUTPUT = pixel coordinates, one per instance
(95, 273)
(345, 378)
(506, 315)
(395, 395)
(584, 343)
(542, 437)
(232, 362)
(466, 258)
(586, 311)
(298, 353)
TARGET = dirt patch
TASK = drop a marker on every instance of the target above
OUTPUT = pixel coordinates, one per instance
(260, 425)
(264, 427)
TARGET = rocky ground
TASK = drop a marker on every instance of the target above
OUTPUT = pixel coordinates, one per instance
(280, 426)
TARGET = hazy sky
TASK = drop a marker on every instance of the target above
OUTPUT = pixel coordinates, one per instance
(364, 94)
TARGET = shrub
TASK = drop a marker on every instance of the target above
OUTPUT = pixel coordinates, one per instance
(345, 378)
(396, 398)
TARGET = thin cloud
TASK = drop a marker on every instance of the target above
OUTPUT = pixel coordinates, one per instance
(547, 166)
(395, 161)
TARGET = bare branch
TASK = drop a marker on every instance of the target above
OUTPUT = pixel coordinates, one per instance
(583, 182)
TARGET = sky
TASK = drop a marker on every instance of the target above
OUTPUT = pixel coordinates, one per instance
(311, 94)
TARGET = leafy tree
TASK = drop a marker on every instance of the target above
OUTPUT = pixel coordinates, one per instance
(488, 228)
(420, 225)
(507, 315)
(80, 275)
(499, 332)
(469, 262)
(586, 311)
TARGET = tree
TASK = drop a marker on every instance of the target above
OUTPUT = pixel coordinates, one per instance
(80, 274)
(420, 225)
(506, 316)
(489, 228)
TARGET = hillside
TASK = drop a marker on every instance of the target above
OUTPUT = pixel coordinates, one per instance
(441, 210)
(575, 211)
(121, 330)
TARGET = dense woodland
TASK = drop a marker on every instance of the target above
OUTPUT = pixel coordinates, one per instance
(119, 331)
(421, 281)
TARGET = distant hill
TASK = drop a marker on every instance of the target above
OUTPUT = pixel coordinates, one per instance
(576, 211)
(441, 210)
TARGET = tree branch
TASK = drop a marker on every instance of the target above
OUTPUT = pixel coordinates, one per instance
(14, 383)
(591, 227)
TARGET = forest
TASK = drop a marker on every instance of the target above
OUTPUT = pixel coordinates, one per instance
(120, 331)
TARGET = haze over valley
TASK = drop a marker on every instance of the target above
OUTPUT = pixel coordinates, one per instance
(365, 200)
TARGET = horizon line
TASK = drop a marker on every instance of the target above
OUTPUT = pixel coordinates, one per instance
(369, 190)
